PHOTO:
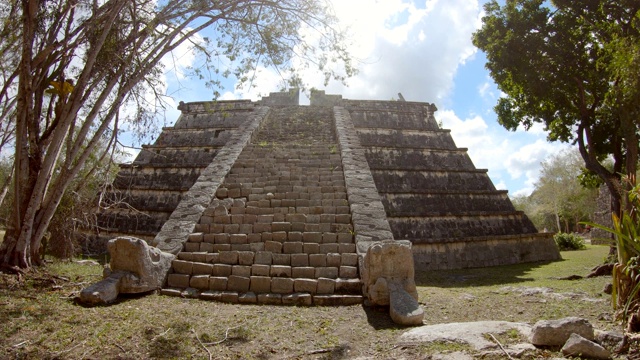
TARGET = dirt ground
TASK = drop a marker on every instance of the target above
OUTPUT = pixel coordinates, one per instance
(41, 319)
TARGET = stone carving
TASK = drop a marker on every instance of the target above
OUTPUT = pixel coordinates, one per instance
(388, 277)
(135, 267)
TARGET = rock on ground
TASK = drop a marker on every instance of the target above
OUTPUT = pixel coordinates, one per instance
(471, 333)
(577, 345)
(557, 332)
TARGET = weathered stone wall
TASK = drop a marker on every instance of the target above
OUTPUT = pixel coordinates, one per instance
(449, 228)
(484, 251)
(443, 203)
(289, 98)
(417, 181)
(175, 232)
(319, 98)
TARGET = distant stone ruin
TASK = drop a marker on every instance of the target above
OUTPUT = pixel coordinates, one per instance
(333, 203)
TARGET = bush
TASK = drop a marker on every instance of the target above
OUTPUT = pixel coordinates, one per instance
(569, 242)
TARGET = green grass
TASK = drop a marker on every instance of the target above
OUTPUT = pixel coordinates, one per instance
(40, 318)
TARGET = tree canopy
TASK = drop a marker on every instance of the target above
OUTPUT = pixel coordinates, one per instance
(78, 63)
(574, 67)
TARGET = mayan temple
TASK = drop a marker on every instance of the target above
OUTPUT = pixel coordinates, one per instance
(273, 202)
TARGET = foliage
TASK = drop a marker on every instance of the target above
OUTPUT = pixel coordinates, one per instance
(626, 272)
(568, 242)
(572, 67)
(559, 201)
(86, 69)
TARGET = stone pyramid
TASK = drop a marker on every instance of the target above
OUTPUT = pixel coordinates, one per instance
(273, 202)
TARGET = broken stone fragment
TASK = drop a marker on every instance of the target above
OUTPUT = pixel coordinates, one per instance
(135, 267)
(556, 332)
(577, 345)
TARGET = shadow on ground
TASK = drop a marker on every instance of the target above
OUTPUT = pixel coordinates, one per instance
(496, 275)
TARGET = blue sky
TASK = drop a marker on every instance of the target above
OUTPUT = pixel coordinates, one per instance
(422, 49)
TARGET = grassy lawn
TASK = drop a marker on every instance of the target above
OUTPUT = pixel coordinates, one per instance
(41, 320)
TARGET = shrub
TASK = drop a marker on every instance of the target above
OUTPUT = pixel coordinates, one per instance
(569, 242)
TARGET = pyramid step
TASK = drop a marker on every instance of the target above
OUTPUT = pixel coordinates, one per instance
(294, 299)
(265, 284)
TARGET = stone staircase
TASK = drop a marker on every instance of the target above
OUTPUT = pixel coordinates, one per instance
(147, 191)
(279, 230)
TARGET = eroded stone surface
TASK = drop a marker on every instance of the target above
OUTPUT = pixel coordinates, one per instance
(577, 345)
(556, 332)
(135, 267)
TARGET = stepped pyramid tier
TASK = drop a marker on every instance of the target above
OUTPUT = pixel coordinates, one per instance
(272, 202)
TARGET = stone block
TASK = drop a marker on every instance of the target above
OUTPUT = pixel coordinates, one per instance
(240, 247)
(348, 286)
(247, 298)
(281, 285)
(299, 260)
(337, 300)
(346, 248)
(292, 247)
(182, 267)
(261, 227)
(229, 297)
(311, 248)
(345, 237)
(221, 247)
(260, 270)
(312, 237)
(273, 246)
(202, 268)
(191, 247)
(281, 259)
(241, 270)
(348, 272)
(178, 280)
(245, 257)
(238, 283)
(303, 272)
(211, 257)
(327, 272)
(280, 271)
(349, 259)
(279, 236)
(270, 299)
(218, 283)
(199, 257)
(228, 257)
(297, 227)
(294, 236)
(280, 226)
(221, 270)
(221, 238)
(317, 260)
(263, 257)
(200, 282)
(206, 247)
(231, 228)
(238, 239)
(328, 248)
(305, 285)
(260, 284)
(334, 259)
(312, 228)
(296, 218)
(211, 295)
(326, 286)
(297, 299)
(196, 237)
(329, 238)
